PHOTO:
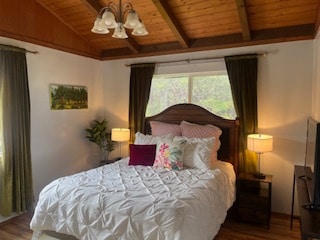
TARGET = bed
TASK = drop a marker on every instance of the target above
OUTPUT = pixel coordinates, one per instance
(124, 201)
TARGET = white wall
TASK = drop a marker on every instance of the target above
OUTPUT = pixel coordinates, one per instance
(58, 143)
(316, 79)
(284, 88)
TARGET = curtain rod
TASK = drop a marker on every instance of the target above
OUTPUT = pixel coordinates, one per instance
(13, 48)
(33, 52)
(196, 59)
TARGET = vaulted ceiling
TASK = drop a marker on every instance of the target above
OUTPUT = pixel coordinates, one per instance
(174, 26)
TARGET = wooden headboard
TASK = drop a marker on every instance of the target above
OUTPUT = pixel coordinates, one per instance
(229, 150)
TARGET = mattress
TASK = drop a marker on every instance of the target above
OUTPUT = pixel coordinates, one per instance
(122, 202)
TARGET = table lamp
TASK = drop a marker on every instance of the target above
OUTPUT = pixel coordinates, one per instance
(120, 135)
(259, 143)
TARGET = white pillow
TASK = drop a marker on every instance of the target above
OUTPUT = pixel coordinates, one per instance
(142, 139)
(197, 152)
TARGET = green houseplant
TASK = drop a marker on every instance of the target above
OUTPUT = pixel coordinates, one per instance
(99, 134)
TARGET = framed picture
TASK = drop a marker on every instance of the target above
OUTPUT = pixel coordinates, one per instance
(68, 97)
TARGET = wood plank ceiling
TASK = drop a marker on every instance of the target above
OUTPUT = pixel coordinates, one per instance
(176, 26)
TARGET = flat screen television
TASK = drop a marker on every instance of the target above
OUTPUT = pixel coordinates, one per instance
(312, 162)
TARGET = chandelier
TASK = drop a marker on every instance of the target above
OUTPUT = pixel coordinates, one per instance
(112, 16)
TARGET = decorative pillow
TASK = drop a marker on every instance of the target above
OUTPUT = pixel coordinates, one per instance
(169, 154)
(142, 139)
(191, 130)
(142, 154)
(197, 152)
(161, 128)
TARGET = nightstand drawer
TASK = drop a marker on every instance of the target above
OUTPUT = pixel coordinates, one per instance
(252, 215)
(253, 202)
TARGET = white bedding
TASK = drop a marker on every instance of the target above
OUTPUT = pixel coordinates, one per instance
(122, 202)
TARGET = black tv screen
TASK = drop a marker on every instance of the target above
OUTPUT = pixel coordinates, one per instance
(312, 160)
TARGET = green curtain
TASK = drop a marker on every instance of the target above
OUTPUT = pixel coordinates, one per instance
(140, 84)
(15, 164)
(242, 72)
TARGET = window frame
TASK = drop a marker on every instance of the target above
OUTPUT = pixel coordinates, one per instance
(190, 77)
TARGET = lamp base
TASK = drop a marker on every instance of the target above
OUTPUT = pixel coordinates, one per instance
(259, 175)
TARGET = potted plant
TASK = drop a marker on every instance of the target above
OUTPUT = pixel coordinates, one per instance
(101, 135)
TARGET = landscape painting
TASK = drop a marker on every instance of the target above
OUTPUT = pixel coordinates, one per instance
(68, 97)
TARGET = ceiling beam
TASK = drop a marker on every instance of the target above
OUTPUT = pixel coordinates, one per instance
(166, 12)
(243, 17)
(317, 23)
(283, 34)
(95, 6)
(132, 45)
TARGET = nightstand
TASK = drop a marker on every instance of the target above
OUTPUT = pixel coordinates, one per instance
(254, 198)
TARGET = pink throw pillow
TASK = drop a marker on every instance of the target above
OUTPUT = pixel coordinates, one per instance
(191, 130)
(161, 129)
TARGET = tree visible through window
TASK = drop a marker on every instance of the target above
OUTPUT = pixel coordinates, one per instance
(209, 90)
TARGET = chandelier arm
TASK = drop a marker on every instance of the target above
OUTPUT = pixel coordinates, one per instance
(127, 7)
(114, 9)
(102, 11)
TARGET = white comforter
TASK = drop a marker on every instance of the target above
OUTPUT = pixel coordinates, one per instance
(122, 202)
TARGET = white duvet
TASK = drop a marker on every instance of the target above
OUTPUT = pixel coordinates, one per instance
(122, 202)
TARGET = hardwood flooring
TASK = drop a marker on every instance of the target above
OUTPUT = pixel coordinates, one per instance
(18, 229)
(279, 230)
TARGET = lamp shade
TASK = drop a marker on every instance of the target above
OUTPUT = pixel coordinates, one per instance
(98, 28)
(120, 32)
(108, 20)
(120, 134)
(259, 143)
(140, 30)
(132, 20)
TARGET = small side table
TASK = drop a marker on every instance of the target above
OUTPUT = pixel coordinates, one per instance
(254, 198)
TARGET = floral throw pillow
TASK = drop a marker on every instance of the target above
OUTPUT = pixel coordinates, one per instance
(169, 154)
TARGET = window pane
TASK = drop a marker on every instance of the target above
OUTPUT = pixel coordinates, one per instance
(167, 90)
(211, 90)
(214, 94)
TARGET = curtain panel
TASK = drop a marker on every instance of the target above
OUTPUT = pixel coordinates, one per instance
(15, 163)
(242, 71)
(140, 84)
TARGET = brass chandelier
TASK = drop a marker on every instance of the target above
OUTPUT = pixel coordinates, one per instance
(119, 17)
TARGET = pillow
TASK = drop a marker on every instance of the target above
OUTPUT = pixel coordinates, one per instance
(142, 154)
(191, 130)
(149, 139)
(197, 152)
(161, 128)
(169, 154)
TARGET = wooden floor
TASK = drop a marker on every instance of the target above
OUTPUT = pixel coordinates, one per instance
(279, 230)
(18, 229)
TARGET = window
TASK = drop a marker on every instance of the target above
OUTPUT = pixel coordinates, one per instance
(211, 90)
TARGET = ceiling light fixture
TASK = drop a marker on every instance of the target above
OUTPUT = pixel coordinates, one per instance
(112, 16)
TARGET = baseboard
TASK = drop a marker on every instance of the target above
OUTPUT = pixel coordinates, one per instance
(285, 215)
(4, 220)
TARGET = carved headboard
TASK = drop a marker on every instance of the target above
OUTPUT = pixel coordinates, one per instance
(229, 150)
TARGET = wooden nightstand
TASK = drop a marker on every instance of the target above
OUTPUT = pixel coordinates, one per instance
(254, 198)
